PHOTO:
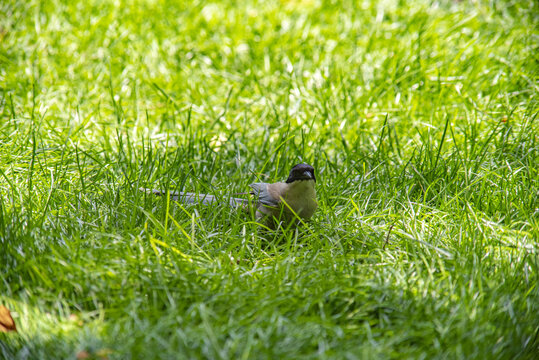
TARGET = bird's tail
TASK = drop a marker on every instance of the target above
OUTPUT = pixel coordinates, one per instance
(194, 198)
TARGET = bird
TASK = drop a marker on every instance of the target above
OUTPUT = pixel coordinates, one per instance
(287, 203)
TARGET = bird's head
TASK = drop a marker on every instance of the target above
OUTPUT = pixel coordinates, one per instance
(301, 172)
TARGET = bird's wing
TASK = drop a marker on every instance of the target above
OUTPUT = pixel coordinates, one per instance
(266, 193)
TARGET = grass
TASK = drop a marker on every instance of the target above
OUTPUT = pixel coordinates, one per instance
(420, 119)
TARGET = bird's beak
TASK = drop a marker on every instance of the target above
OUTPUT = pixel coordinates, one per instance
(307, 174)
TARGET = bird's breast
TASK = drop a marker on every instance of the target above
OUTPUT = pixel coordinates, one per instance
(301, 197)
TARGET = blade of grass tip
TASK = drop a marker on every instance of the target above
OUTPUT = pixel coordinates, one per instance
(389, 139)
(11, 107)
(344, 144)
(46, 207)
(79, 167)
(163, 92)
(62, 156)
(122, 157)
(176, 171)
(381, 137)
(403, 171)
(459, 157)
(130, 148)
(2, 217)
(167, 211)
(143, 160)
(31, 173)
(441, 144)
(397, 143)
(33, 100)
(483, 151)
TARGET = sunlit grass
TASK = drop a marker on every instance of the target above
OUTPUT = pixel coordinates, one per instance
(420, 119)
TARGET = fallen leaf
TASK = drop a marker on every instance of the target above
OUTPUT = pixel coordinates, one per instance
(83, 354)
(6, 321)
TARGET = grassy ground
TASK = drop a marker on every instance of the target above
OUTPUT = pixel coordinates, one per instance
(420, 119)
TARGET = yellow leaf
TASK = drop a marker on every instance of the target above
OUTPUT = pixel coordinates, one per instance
(6, 321)
(82, 355)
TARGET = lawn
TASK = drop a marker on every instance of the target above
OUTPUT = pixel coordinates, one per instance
(420, 119)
